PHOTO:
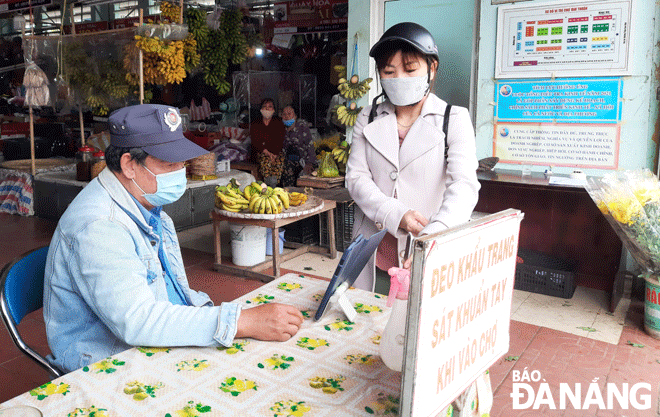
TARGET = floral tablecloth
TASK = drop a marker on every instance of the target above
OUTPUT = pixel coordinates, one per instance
(330, 368)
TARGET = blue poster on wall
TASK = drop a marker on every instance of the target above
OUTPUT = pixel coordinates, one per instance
(564, 100)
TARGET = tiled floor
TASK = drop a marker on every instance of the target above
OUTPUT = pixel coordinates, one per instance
(566, 341)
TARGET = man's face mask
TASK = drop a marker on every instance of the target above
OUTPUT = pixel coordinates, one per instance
(170, 187)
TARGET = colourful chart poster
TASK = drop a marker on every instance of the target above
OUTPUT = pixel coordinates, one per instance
(563, 39)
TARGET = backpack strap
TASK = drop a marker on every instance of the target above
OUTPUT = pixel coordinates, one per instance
(372, 113)
(445, 128)
(445, 122)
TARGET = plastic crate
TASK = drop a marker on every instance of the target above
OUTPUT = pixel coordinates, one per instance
(304, 231)
(344, 216)
(544, 274)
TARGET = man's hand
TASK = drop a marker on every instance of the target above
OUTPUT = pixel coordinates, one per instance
(413, 221)
(272, 321)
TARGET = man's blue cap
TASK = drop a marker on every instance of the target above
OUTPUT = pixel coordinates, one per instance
(156, 129)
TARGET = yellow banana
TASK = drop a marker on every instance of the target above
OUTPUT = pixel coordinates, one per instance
(226, 199)
(228, 208)
(236, 195)
(283, 195)
(247, 192)
(269, 208)
(274, 204)
(235, 205)
(253, 201)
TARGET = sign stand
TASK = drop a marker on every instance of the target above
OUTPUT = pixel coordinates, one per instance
(459, 308)
(339, 298)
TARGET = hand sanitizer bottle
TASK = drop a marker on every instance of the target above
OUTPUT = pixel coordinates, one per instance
(394, 335)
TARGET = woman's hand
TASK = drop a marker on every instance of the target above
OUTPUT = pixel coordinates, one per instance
(269, 154)
(407, 263)
(413, 221)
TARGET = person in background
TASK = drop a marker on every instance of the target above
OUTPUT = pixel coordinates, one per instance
(114, 274)
(300, 155)
(267, 137)
(397, 172)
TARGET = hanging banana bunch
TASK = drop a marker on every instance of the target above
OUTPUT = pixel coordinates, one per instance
(99, 83)
(351, 89)
(347, 115)
(170, 12)
(218, 48)
(354, 89)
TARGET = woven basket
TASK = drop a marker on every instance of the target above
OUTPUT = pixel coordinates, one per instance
(203, 165)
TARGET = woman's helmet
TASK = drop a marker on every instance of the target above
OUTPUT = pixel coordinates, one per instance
(411, 33)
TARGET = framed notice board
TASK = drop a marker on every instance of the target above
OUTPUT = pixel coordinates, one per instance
(563, 39)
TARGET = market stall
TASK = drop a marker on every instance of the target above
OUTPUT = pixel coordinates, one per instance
(53, 191)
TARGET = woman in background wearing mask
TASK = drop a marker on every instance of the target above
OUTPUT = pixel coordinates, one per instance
(397, 172)
(298, 148)
(267, 134)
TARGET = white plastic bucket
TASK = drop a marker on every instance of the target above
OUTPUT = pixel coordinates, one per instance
(269, 241)
(248, 244)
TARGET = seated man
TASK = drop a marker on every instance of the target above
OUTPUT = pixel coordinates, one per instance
(114, 274)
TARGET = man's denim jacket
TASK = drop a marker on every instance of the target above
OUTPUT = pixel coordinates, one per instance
(104, 289)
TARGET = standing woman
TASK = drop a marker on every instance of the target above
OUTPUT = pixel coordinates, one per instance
(267, 136)
(397, 172)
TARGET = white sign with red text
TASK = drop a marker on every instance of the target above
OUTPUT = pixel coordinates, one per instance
(460, 305)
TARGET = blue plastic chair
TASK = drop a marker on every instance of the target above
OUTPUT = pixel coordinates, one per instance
(21, 293)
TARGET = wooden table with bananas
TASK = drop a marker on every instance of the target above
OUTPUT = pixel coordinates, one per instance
(260, 205)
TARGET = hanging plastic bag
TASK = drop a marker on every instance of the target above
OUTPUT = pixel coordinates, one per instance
(36, 83)
(328, 167)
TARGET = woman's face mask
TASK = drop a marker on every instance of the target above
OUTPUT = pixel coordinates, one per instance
(267, 114)
(288, 123)
(170, 187)
(405, 91)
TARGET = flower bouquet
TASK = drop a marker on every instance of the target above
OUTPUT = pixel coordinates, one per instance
(630, 201)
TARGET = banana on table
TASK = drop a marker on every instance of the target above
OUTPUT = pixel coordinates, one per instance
(256, 198)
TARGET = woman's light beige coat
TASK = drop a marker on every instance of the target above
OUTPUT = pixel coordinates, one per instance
(386, 180)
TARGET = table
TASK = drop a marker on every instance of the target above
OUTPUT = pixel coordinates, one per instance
(561, 221)
(329, 368)
(273, 223)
